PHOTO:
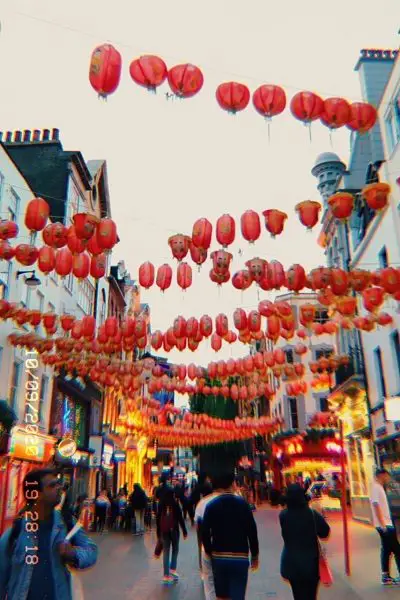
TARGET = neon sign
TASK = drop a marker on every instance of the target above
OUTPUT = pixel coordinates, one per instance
(334, 447)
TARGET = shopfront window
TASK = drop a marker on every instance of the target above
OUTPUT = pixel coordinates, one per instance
(358, 468)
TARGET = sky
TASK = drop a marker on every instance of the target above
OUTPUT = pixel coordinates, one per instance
(171, 162)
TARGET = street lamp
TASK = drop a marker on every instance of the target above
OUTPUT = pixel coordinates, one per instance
(31, 281)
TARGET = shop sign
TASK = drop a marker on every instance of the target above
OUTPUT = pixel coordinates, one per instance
(108, 451)
(119, 456)
(67, 447)
(31, 447)
(95, 444)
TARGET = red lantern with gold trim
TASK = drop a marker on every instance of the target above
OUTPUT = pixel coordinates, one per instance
(184, 275)
(98, 265)
(106, 234)
(295, 278)
(81, 265)
(274, 221)
(240, 319)
(75, 245)
(146, 275)
(346, 306)
(307, 314)
(105, 69)
(254, 321)
(55, 235)
(36, 214)
(373, 298)
(216, 342)
(8, 230)
(85, 225)
(46, 260)
(276, 275)
(198, 255)
(389, 279)
(164, 277)
(376, 195)
(221, 261)
(250, 226)
(202, 233)
(341, 205)
(308, 211)
(185, 80)
(257, 268)
(320, 278)
(266, 308)
(26, 254)
(273, 327)
(179, 245)
(221, 325)
(242, 280)
(339, 282)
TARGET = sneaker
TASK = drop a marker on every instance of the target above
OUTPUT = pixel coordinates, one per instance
(174, 575)
(396, 581)
(167, 580)
(387, 580)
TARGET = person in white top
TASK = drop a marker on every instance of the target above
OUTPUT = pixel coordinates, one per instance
(204, 561)
(383, 522)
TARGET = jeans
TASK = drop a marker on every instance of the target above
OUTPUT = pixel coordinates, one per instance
(389, 545)
(139, 518)
(230, 578)
(170, 560)
(304, 589)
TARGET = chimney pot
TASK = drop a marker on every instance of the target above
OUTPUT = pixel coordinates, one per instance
(55, 134)
(36, 135)
(27, 136)
(17, 136)
(46, 135)
(8, 136)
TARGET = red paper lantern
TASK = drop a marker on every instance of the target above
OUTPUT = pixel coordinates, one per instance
(219, 278)
(185, 81)
(184, 275)
(46, 259)
(221, 261)
(240, 319)
(36, 214)
(105, 69)
(81, 265)
(8, 230)
(295, 278)
(49, 320)
(148, 71)
(26, 254)
(225, 230)
(111, 326)
(306, 106)
(179, 245)
(198, 255)
(300, 349)
(279, 356)
(257, 268)
(242, 280)
(384, 319)
(376, 195)
(274, 221)
(373, 298)
(67, 322)
(231, 337)
(63, 266)
(221, 325)
(276, 275)
(55, 235)
(216, 342)
(179, 327)
(192, 327)
(146, 275)
(341, 205)
(233, 96)
(250, 225)
(363, 117)
(339, 282)
(88, 326)
(308, 213)
(85, 225)
(266, 308)
(254, 321)
(75, 245)
(98, 265)
(273, 327)
(336, 113)
(307, 314)
(269, 100)
(164, 277)
(106, 234)
(201, 234)
(206, 326)
(390, 280)
(346, 305)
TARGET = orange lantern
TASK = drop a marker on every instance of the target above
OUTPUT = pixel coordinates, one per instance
(266, 308)
(320, 278)
(26, 254)
(257, 268)
(376, 195)
(55, 235)
(274, 221)
(326, 297)
(308, 213)
(295, 278)
(36, 215)
(254, 321)
(184, 275)
(250, 226)
(346, 305)
(164, 277)
(342, 205)
(221, 261)
(81, 265)
(179, 245)
(98, 266)
(390, 280)
(225, 230)
(146, 275)
(105, 69)
(85, 225)
(273, 327)
(46, 260)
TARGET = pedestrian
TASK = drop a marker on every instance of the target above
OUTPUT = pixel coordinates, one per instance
(205, 563)
(169, 521)
(79, 505)
(383, 522)
(229, 533)
(114, 514)
(34, 556)
(301, 527)
(102, 505)
(122, 502)
(139, 503)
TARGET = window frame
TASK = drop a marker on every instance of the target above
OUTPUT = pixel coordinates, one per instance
(380, 373)
(15, 383)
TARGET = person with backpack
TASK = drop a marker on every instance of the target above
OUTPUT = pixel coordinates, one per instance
(139, 504)
(169, 520)
(35, 558)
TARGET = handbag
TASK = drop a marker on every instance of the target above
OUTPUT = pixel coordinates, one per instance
(159, 548)
(325, 573)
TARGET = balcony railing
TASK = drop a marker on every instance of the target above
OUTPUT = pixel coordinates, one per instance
(355, 367)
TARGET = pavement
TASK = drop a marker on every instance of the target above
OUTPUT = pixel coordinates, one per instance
(126, 568)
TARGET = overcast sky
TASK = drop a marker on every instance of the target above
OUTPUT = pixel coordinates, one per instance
(172, 162)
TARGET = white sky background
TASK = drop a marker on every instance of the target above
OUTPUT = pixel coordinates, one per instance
(170, 163)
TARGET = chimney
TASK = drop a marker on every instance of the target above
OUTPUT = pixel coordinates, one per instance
(36, 135)
(27, 136)
(374, 69)
(46, 135)
(55, 134)
(18, 136)
(8, 137)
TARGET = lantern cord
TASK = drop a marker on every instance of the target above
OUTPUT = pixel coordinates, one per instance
(269, 130)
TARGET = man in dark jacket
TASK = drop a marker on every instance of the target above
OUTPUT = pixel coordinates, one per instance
(138, 501)
(229, 533)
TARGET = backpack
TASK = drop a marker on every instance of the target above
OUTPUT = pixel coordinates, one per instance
(17, 526)
(168, 521)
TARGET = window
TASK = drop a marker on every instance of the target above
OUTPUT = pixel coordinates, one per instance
(395, 341)
(383, 258)
(323, 353)
(103, 307)
(323, 404)
(76, 203)
(392, 125)
(85, 297)
(28, 293)
(289, 356)
(14, 202)
(69, 282)
(44, 386)
(15, 381)
(321, 315)
(51, 307)
(294, 417)
(381, 385)
(5, 277)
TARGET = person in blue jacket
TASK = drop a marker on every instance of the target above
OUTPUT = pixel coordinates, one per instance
(35, 558)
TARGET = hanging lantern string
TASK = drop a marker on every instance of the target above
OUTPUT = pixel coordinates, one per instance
(170, 57)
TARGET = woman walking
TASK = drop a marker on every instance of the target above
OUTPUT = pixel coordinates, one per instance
(301, 528)
(169, 520)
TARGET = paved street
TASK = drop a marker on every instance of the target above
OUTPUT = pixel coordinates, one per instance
(127, 570)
